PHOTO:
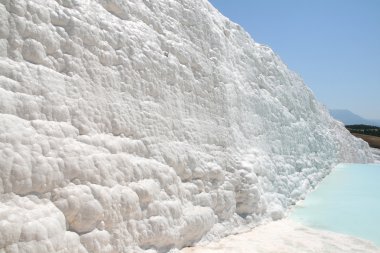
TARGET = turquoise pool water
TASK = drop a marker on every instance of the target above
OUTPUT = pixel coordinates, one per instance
(347, 201)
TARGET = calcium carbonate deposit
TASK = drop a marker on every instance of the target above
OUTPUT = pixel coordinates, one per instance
(139, 125)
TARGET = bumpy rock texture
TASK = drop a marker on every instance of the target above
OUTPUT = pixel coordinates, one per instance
(141, 124)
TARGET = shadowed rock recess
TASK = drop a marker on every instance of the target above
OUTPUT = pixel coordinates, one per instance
(139, 125)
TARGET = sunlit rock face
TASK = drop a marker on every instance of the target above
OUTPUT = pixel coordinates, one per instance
(136, 125)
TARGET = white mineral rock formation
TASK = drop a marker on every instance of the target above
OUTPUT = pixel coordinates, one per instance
(135, 125)
(286, 236)
(376, 155)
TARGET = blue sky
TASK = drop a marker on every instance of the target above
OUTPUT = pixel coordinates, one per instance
(333, 44)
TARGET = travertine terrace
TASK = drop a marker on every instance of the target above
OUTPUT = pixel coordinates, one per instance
(148, 125)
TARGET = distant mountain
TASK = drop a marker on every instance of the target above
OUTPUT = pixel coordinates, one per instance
(350, 118)
(376, 122)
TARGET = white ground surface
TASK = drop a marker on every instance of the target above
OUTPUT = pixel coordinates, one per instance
(286, 236)
(136, 125)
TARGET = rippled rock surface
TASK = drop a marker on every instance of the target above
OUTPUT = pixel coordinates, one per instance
(135, 125)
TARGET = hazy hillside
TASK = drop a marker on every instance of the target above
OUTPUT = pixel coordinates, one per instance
(350, 118)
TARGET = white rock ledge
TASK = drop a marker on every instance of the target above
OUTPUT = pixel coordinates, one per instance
(148, 125)
(286, 236)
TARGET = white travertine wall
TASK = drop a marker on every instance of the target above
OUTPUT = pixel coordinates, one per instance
(134, 125)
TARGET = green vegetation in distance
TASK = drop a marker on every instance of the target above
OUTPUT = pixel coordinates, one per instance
(364, 129)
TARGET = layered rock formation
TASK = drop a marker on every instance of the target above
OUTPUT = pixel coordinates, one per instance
(136, 125)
